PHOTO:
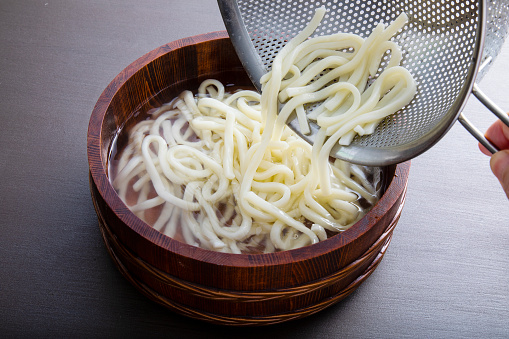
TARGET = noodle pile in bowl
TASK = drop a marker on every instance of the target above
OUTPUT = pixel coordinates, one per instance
(223, 171)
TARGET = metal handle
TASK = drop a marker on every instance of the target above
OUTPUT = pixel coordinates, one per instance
(488, 103)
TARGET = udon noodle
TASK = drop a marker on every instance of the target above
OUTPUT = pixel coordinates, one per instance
(223, 171)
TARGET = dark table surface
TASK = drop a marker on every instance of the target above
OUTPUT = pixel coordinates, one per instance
(445, 274)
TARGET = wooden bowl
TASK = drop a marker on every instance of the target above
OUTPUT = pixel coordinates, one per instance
(231, 289)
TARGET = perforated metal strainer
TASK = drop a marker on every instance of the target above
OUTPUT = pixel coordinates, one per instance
(447, 47)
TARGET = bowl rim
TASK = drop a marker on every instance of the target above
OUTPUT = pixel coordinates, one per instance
(98, 173)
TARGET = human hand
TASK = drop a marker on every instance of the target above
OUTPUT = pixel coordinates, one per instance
(498, 134)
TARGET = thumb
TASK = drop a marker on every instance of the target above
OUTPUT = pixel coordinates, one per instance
(500, 167)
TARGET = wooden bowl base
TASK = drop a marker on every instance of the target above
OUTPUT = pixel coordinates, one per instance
(129, 264)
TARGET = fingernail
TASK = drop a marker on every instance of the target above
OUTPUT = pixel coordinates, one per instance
(500, 163)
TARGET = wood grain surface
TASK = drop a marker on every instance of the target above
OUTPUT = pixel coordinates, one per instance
(222, 288)
(445, 274)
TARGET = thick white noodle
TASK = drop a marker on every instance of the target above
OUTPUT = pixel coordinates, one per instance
(226, 171)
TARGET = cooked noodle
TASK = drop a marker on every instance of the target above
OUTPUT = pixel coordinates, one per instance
(224, 172)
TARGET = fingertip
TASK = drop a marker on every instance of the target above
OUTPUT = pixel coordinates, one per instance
(484, 150)
(505, 130)
(500, 167)
(498, 134)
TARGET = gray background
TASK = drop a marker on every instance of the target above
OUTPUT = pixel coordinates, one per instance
(445, 273)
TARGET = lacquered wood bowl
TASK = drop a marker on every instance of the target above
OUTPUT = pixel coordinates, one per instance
(229, 289)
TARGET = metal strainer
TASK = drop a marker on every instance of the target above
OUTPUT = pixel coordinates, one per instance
(447, 47)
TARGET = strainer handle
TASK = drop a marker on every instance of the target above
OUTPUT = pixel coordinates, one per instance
(477, 134)
(488, 103)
